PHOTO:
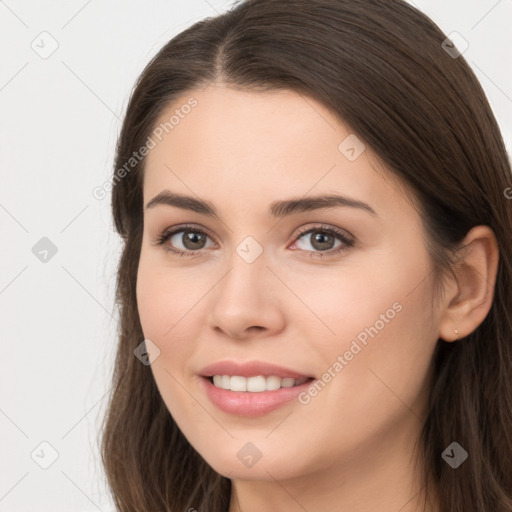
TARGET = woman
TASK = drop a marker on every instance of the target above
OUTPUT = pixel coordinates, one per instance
(315, 285)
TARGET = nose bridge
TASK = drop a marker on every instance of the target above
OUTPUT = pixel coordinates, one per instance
(248, 268)
(242, 299)
(249, 250)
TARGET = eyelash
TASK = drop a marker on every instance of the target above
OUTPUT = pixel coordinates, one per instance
(347, 242)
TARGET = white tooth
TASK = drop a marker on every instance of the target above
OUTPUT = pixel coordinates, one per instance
(238, 383)
(288, 382)
(256, 384)
(273, 382)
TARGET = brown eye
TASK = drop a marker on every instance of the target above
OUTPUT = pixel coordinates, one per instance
(323, 240)
(192, 240)
(184, 241)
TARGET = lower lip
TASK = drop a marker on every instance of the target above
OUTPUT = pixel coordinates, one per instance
(246, 403)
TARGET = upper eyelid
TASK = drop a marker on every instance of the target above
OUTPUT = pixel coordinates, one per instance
(192, 227)
(337, 231)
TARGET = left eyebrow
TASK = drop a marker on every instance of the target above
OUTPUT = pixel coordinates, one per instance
(277, 208)
(290, 206)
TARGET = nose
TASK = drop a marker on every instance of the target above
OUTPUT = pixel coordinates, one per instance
(246, 302)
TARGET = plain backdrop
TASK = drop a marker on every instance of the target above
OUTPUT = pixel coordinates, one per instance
(67, 69)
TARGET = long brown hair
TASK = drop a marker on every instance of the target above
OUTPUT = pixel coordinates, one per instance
(382, 67)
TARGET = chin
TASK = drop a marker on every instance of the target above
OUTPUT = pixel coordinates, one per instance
(237, 464)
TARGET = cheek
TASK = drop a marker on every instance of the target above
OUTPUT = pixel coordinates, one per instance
(345, 302)
(150, 299)
(169, 319)
(377, 317)
(386, 339)
(162, 306)
(166, 298)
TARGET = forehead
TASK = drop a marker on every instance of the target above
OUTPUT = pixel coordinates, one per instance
(235, 147)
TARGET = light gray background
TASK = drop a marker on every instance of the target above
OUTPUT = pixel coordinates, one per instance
(60, 117)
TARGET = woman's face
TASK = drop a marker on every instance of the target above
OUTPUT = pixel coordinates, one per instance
(337, 294)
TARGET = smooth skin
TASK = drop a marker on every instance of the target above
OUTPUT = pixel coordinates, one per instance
(352, 446)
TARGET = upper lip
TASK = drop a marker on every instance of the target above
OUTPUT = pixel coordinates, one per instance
(249, 369)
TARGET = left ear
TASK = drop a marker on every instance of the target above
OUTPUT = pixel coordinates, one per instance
(473, 293)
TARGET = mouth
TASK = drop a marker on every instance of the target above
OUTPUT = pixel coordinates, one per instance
(252, 396)
(256, 384)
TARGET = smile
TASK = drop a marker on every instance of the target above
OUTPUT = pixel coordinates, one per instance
(256, 384)
(245, 396)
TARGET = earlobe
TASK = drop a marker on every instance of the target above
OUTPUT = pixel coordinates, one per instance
(475, 273)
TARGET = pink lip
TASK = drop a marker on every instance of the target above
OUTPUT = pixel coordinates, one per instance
(249, 369)
(245, 403)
